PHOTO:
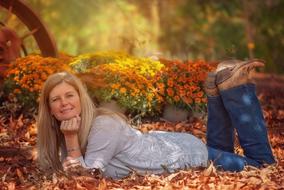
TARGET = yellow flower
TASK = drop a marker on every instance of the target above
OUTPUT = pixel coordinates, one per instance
(129, 81)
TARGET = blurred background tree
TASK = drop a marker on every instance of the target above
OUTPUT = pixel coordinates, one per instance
(184, 29)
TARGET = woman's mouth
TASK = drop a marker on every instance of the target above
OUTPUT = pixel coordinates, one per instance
(66, 110)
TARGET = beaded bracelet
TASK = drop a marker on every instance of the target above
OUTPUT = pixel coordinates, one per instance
(73, 149)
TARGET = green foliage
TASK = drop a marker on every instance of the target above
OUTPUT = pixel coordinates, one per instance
(84, 62)
(268, 21)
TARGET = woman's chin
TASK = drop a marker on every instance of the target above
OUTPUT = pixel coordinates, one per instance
(66, 117)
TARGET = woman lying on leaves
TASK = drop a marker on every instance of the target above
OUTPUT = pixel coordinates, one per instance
(72, 131)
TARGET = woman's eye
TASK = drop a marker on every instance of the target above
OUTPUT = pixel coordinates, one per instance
(70, 95)
(54, 100)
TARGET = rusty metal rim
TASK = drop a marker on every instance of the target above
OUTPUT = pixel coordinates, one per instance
(24, 13)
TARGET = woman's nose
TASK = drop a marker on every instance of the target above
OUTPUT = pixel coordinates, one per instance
(63, 101)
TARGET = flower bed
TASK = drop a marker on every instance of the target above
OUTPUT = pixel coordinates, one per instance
(140, 85)
(180, 83)
(25, 77)
(129, 81)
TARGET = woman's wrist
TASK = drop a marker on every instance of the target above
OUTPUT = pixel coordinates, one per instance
(73, 149)
(72, 145)
(73, 152)
(71, 136)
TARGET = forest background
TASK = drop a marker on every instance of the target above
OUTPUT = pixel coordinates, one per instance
(183, 29)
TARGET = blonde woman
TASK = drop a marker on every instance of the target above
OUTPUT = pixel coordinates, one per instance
(72, 131)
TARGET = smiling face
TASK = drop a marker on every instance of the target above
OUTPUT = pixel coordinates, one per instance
(64, 102)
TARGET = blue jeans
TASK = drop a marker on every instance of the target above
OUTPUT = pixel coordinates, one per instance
(237, 109)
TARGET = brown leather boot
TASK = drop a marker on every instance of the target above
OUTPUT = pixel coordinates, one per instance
(210, 86)
(237, 75)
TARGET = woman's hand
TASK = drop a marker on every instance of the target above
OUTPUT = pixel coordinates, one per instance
(70, 162)
(71, 126)
(70, 129)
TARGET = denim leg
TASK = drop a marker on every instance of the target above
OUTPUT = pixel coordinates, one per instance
(229, 161)
(246, 115)
(220, 132)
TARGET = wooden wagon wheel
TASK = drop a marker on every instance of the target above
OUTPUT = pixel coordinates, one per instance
(9, 40)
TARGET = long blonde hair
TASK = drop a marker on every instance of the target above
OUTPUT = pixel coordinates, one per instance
(50, 138)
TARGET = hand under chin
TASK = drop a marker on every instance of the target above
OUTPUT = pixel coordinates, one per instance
(66, 117)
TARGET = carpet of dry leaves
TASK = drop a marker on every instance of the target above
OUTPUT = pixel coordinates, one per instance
(18, 169)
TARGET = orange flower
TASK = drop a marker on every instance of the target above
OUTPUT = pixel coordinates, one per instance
(182, 93)
(28, 74)
(16, 91)
(198, 100)
(170, 83)
(183, 82)
(122, 90)
(200, 94)
(187, 100)
(170, 92)
(176, 98)
(115, 86)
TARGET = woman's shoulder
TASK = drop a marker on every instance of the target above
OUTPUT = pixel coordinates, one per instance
(104, 117)
(110, 126)
(109, 120)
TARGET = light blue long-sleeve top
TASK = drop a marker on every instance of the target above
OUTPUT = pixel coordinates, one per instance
(118, 149)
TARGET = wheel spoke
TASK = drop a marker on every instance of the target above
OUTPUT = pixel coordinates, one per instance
(24, 49)
(30, 33)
